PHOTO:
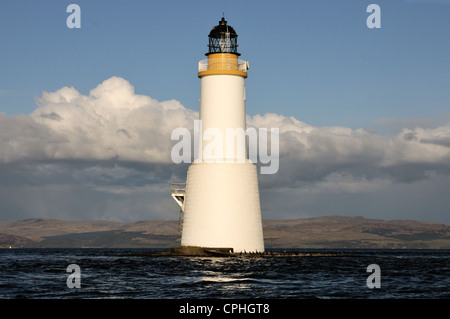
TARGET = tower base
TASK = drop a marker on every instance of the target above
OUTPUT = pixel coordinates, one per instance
(222, 207)
(202, 252)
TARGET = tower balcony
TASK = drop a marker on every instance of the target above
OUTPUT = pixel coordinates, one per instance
(222, 63)
(177, 192)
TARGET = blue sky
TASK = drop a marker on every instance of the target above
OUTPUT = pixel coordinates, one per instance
(86, 114)
(314, 60)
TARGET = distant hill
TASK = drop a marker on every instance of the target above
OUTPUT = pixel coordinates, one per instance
(319, 232)
(355, 232)
(73, 234)
(7, 241)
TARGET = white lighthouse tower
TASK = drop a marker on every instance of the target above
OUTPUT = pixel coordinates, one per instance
(221, 201)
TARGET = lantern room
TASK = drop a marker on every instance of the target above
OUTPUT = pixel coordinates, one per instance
(222, 39)
(222, 53)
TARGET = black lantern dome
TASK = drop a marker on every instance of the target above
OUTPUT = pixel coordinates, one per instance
(222, 39)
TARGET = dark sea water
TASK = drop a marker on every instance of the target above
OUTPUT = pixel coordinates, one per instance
(124, 273)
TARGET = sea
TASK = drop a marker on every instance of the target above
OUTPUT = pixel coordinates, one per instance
(130, 274)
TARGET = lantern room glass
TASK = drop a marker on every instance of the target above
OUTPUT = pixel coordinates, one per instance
(222, 39)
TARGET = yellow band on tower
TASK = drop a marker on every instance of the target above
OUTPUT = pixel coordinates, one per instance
(222, 63)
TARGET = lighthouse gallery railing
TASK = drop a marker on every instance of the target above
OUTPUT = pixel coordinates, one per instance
(223, 64)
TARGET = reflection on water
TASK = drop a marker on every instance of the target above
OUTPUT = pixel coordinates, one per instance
(38, 273)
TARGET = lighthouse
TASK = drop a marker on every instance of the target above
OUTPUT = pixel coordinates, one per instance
(220, 202)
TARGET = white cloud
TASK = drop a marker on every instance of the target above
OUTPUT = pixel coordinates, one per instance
(313, 153)
(111, 122)
(115, 146)
(114, 123)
